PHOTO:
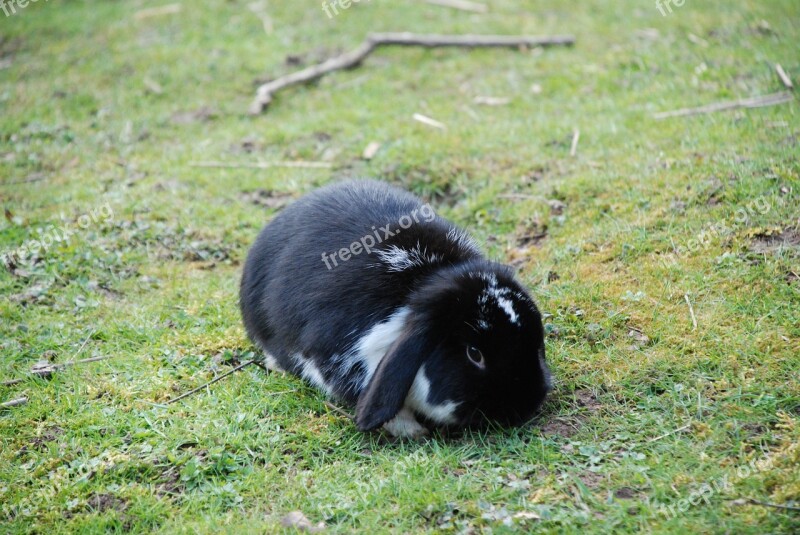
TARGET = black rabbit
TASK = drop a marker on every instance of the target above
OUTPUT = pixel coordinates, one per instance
(365, 292)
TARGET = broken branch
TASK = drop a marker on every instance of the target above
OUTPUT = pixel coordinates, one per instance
(353, 58)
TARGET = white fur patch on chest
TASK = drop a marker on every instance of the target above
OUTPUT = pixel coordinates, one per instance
(417, 400)
(373, 346)
(311, 373)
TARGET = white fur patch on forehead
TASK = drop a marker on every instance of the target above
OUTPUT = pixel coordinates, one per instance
(417, 400)
(500, 295)
(398, 259)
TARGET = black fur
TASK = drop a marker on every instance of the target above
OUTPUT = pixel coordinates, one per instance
(296, 308)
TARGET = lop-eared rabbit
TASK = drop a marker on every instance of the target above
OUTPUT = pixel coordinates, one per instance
(363, 291)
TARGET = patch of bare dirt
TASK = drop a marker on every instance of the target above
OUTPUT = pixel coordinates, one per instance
(772, 243)
(200, 115)
(298, 521)
(40, 442)
(104, 502)
(592, 480)
(587, 399)
(559, 427)
(625, 493)
(531, 234)
(170, 484)
(266, 198)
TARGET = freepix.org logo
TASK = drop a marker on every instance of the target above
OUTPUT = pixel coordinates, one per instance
(10, 7)
(665, 6)
(367, 243)
(332, 7)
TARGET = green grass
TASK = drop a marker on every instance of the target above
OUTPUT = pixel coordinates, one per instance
(103, 113)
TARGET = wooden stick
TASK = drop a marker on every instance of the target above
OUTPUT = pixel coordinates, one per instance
(755, 102)
(211, 382)
(463, 5)
(14, 403)
(264, 165)
(691, 311)
(787, 82)
(354, 58)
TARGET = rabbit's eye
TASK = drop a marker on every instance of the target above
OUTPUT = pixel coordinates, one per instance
(476, 357)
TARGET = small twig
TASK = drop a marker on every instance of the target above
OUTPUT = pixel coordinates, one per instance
(14, 403)
(371, 150)
(491, 101)
(11, 382)
(463, 5)
(257, 8)
(574, 148)
(755, 102)
(264, 165)
(691, 311)
(355, 57)
(32, 178)
(518, 196)
(261, 365)
(211, 382)
(424, 119)
(45, 370)
(339, 410)
(169, 9)
(78, 352)
(82, 361)
(665, 435)
(785, 80)
(742, 501)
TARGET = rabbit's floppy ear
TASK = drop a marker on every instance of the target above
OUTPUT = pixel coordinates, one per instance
(387, 390)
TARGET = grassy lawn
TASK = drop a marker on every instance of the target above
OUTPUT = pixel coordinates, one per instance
(665, 253)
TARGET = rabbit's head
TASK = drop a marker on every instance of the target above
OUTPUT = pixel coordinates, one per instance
(472, 349)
